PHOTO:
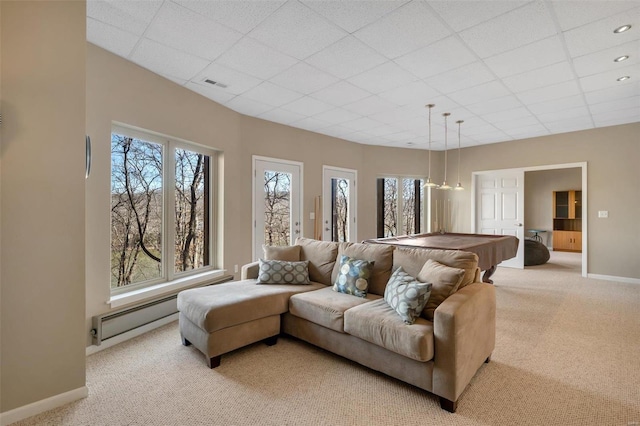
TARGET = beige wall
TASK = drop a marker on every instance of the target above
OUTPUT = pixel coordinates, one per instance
(538, 197)
(120, 91)
(43, 207)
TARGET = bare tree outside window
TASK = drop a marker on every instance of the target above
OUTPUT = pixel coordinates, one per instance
(390, 207)
(412, 192)
(136, 210)
(277, 198)
(340, 209)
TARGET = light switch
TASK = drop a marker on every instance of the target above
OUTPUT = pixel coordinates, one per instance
(312, 215)
(603, 213)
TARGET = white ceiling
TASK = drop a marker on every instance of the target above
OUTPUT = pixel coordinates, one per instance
(364, 70)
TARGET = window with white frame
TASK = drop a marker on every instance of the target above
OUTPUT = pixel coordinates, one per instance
(161, 209)
(400, 206)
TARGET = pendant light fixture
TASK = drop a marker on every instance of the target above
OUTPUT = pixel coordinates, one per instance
(445, 185)
(429, 183)
(459, 185)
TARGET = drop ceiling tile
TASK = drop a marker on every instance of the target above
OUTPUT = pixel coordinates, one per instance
(401, 137)
(236, 81)
(493, 137)
(307, 106)
(569, 16)
(168, 28)
(615, 118)
(247, 106)
(613, 93)
(361, 124)
(529, 131)
(215, 94)
(110, 38)
(557, 105)
(609, 78)
(397, 115)
(337, 131)
(461, 15)
(599, 35)
(602, 61)
(297, 31)
(310, 123)
(570, 125)
(556, 91)
(256, 59)
(482, 93)
(383, 130)
(165, 60)
(538, 54)
(242, 16)
(178, 81)
(507, 115)
(470, 75)
(352, 15)
(340, 93)
(337, 116)
(282, 116)
(407, 28)
(616, 105)
(370, 105)
(130, 16)
(494, 105)
(541, 77)
(413, 93)
(271, 94)
(304, 78)
(513, 29)
(567, 114)
(346, 58)
(382, 78)
(441, 56)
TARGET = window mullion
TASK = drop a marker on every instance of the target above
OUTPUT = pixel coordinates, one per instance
(169, 211)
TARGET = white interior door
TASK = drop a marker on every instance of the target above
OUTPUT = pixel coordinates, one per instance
(277, 189)
(500, 208)
(339, 204)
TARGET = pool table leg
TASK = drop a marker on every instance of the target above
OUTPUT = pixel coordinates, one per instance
(486, 278)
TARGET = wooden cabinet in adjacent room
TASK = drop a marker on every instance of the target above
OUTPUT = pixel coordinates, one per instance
(567, 220)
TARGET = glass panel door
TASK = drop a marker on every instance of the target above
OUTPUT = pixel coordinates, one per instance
(339, 207)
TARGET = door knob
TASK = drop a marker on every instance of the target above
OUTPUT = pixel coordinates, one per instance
(518, 224)
(327, 229)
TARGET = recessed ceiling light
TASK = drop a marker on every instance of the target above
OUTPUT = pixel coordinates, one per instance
(621, 58)
(622, 29)
(623, 78)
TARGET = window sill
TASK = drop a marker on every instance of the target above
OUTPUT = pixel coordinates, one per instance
(123, 299)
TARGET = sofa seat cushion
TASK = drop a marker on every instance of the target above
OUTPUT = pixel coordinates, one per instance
(377, 322)
(326, 307)
(228, 304)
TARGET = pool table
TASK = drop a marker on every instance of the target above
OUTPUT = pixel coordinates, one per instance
(491, 249)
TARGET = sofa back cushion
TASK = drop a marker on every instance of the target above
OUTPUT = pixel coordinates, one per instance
(321, 256)
(412, 261)
(380, 254)
(287, 253)
(445, 281)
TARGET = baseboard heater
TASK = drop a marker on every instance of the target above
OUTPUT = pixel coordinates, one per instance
(114, 323)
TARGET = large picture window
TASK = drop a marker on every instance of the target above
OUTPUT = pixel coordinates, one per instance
(400, 206)
(161, 222)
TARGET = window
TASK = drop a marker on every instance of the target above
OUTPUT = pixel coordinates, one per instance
(400, 198)
(161, 203)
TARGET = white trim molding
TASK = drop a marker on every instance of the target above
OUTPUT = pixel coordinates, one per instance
(614, 278)
(43, 405)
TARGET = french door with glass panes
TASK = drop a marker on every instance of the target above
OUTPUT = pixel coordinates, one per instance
(277, 199)
(339, 204)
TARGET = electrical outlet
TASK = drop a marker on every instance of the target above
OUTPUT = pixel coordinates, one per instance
(235, 269)
(603, 213)
(312, 215)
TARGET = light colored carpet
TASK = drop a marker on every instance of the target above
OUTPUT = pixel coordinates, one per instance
(568, 353)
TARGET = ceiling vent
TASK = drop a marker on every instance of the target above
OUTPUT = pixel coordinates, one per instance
(216, 83)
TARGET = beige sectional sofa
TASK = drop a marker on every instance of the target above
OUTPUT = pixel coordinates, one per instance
(440, 352)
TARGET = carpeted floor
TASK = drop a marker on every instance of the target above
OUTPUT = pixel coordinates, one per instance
(567, 353)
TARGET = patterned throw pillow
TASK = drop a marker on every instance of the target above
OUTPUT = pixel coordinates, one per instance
(353, 276)
(283, 272)
(406, 295)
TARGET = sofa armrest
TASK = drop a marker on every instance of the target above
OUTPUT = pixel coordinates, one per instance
(464, 328)
(250, 270)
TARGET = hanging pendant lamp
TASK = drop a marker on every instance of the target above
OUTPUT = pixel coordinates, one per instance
(459, 186)
(429, 183)
(445, 185)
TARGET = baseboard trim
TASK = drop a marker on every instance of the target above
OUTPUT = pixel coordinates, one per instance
(131, 334)
(43, 405)
(613, 278)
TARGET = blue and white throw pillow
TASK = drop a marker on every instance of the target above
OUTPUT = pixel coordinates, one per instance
(353, 276)
(283, 272)
(406, 295)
